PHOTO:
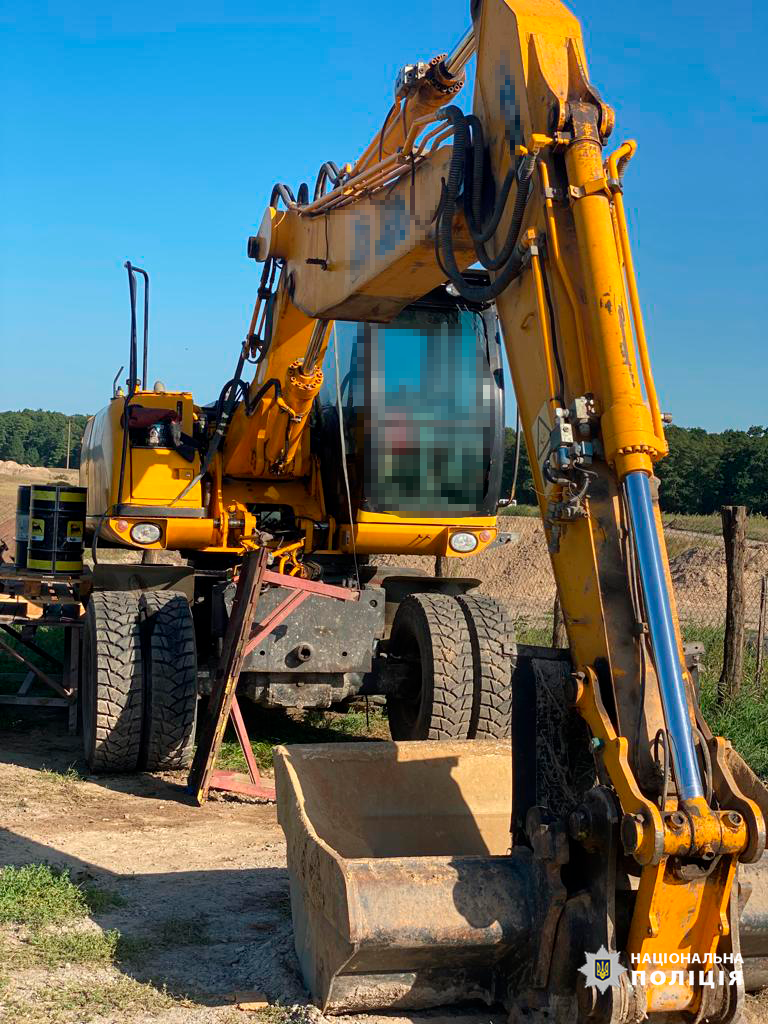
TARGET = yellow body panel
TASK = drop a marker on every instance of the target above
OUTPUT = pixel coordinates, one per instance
(152, 475)
(393, 533)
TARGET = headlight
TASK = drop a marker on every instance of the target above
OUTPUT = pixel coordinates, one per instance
(145, 533)
(463, 542)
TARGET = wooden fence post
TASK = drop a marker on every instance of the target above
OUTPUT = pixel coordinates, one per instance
(559, 633)
(735, 537)
(761, 626)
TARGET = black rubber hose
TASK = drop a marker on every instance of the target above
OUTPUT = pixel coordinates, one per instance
(518, 212)
(238, 383)
(328, 172)
(473, 189)
(444, 231)
(302, 197)
(250, 408)
(473, 196)
(283, 192)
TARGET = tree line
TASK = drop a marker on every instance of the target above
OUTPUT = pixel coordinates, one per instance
(702, 472)
(36, 437)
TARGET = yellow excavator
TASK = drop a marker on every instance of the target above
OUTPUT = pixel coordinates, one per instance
(371, 426)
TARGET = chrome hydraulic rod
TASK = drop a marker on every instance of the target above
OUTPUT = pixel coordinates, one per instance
(661, 627)
(461, 53)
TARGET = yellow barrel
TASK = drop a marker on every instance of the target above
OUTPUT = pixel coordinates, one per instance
(22, 525)
(56, 529)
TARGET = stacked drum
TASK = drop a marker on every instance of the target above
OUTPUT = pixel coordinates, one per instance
(50, 524)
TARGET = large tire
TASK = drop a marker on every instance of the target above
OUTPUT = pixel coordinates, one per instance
(111, 692)
(492, 635)
(430, 634)
(170, 681)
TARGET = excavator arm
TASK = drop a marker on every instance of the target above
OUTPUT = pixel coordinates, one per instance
(527, 186)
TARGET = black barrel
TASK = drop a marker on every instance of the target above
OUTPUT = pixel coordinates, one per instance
(22, 525)
(56, 528)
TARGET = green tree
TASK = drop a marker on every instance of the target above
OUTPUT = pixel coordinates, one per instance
(39, 438)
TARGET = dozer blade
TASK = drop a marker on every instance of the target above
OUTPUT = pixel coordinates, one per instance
(404, 892)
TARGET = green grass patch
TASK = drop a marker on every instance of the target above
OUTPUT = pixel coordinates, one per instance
(272, 728)
(526, 511)
(101, 900)
(65, 784)
(537, 632)
(757, 525)
(52, 949)
(132, 949)
(743, 720)
(51, 640)
(231, 756)
(37, 894)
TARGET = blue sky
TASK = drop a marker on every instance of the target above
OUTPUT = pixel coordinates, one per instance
(154, 132)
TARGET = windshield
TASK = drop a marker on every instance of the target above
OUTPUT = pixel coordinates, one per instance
(422, 406)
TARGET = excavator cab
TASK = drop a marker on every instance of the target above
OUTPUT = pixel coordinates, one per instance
(422, 404)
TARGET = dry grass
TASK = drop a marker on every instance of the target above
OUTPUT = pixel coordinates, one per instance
(79, 1001)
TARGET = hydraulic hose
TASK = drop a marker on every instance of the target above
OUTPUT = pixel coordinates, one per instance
(284, 192)
(510, 259)
(473, 186)
(328, 172)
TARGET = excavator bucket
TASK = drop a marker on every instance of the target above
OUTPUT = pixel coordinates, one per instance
(403, 890)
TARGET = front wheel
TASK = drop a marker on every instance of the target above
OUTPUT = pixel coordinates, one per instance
(111, 691)
(431, 637)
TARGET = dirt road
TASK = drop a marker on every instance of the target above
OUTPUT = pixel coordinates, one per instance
(202, 896)
(199, 898)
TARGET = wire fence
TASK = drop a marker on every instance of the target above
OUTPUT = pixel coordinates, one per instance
(519, 575)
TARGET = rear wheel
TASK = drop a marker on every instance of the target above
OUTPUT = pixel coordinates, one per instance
(492, 635)
(430, 635)
(111, 692)
(170, 681)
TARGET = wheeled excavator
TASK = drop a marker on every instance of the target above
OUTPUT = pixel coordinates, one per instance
(582, 862)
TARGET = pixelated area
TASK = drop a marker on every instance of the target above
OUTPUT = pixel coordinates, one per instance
(420, 406)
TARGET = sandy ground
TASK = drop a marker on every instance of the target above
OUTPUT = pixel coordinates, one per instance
(216, 872)
(216, 876)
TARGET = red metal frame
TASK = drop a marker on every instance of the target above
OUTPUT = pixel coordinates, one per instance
(300, 589)
(235, 782)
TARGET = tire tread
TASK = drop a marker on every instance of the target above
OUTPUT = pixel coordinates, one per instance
(117, 684)
(492, 635)
(451, 663)
(171, 670)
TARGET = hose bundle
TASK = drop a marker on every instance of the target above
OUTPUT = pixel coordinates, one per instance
(468, 141)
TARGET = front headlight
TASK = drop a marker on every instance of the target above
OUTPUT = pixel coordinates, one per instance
(462, 542)
(145, 533)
